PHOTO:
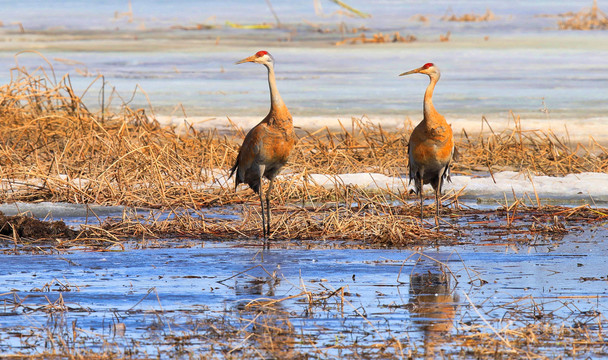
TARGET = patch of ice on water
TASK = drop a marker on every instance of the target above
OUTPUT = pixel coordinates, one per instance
(56, 211)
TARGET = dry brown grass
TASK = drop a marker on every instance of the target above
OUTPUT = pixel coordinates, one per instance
(586, 19)
(378, 38)
(325, 227)
(54, 148)
(537, 151)
(333, 227)
(488, 16)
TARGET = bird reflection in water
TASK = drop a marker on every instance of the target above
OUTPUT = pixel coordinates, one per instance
(434, 302)
(265, 320)
(257, 285)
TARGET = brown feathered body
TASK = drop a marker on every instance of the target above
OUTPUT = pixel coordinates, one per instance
(266, 148)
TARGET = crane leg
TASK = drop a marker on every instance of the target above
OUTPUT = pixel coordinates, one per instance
(261, 193)
(438, 199)
(419, 189)
(263, 214)
(421, 206)
(268, 206)
(438, 205)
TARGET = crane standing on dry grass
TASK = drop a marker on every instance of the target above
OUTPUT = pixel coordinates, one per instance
(431, 145)
(267, 146)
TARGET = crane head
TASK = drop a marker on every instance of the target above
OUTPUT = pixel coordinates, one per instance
(429, 69)
(261, 57)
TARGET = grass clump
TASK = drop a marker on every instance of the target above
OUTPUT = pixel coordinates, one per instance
(487, 16)
(586, 19)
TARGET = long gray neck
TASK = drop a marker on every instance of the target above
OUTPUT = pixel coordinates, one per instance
(429, 109)
(275, 97)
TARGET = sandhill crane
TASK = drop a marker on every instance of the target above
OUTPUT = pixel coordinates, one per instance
(267, 146)
(431, 145)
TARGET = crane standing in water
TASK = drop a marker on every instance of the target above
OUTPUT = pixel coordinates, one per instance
(431, 145)
(267, 146)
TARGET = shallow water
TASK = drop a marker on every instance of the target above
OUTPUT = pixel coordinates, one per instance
(165, 291)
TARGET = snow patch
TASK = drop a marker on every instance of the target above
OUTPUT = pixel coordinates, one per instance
(569, 187)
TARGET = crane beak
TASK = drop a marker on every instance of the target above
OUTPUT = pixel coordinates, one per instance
(248, 59)
(411, 72)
